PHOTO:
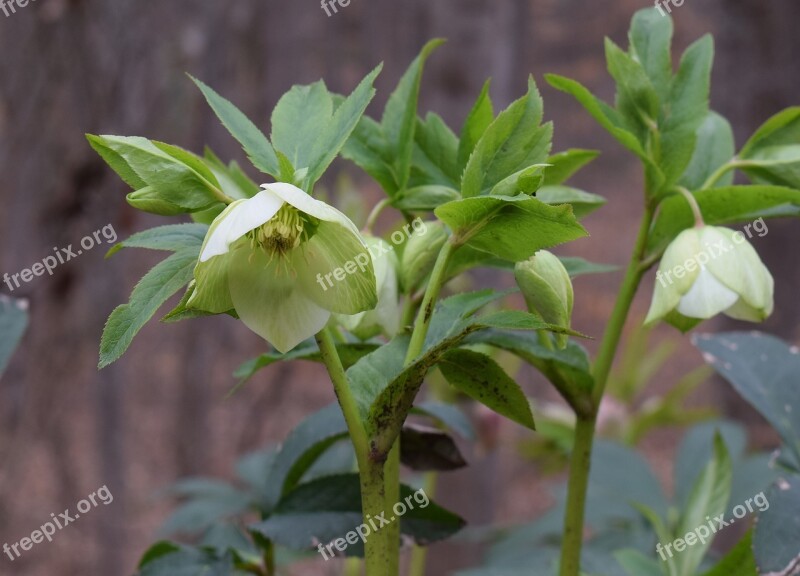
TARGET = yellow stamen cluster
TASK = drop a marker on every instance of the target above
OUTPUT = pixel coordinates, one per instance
(281, 234)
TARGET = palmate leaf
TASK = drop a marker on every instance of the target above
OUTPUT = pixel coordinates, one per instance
(511, 228)
(384, 150)
(514, 141)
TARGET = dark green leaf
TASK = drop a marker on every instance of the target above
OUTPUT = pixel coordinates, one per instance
(187, 561)
(772, 155)
(775, 541)
(449, 416)
(328, 508)
(434, 158)
(481, 378)
(763, 370)
(637, 101)
(116, 162)
(428, 449)
(424, 198)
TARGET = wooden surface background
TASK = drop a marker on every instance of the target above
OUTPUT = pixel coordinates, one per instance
(68, 67)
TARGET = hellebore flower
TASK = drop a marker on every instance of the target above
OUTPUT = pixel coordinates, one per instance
(547, 288)
(707, 270)
(385, 318)
(278, 260)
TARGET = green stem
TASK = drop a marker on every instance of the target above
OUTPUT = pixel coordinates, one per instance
(418, 335)
(720, 172)
(376, 211)
(419, 554)
(352, 567)
(423, 321)
(580, 461)
(269, 560)
(378, 545)
(344, 395)
(692, 201)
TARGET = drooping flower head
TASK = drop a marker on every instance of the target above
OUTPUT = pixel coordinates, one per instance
(709, 270)
(278, 260)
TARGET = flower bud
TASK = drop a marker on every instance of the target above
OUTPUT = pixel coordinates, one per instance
(420, 253)
(708, 270)
(385, 317)
(547, 288)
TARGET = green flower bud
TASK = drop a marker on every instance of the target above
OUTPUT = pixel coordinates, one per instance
(385, 318)
(420, 253)
(710, 270)
(547, 288)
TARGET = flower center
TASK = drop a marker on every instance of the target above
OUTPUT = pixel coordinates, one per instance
(282, 233)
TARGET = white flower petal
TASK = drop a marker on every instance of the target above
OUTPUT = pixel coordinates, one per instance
(270, 302)
(707, 297)
(238, 219)
(296, 197)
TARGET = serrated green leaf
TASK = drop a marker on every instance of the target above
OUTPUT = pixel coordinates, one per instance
(650, 38)
(400, 115)
(478, 121)
(434, 157)
(512, 228)
(255, 144)
(172, 237)
(637, 101)
(512, 142)
(172, 175)
(297, 119)
(482, 379)
(369, 149)
(328, 142)
(564, 164)
(155, 288)
(583, 203)
(116, 162)
(424, 198)
(688, 107)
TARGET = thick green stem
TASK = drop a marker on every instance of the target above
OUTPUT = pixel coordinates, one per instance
(378, 545)
(580, 461)
(418, 335)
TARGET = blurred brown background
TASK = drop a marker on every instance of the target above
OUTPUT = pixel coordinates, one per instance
(68, 67)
